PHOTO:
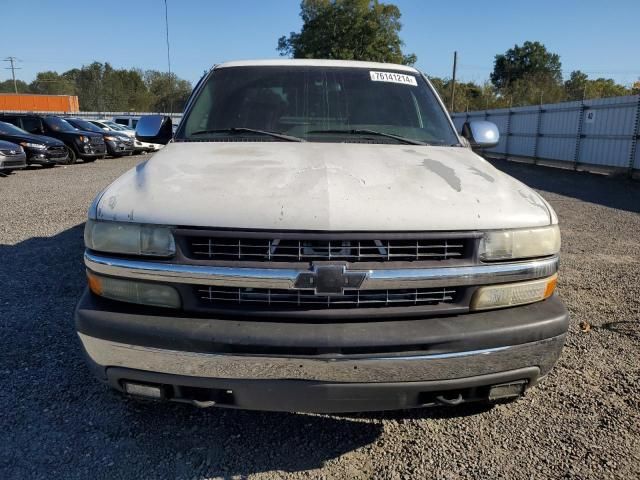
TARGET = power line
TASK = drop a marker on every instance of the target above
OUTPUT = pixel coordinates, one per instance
(13, 68)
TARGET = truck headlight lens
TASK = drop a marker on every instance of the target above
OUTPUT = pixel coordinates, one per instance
(512, 294)
(153, 294)
(83, 138)
(522, 243)
(129, 238)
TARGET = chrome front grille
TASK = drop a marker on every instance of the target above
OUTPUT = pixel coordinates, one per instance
(297, 250)
(96, 141)
(216, 296)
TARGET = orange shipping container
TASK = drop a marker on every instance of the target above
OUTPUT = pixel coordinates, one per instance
(39, 103)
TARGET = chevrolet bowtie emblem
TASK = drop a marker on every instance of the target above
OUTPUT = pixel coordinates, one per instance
(330, 279)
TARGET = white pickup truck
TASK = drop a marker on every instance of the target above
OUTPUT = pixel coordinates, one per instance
(316, 236)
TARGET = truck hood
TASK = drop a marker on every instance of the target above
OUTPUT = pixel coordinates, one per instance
(321, 186)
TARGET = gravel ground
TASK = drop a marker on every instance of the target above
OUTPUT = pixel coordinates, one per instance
(58, 422)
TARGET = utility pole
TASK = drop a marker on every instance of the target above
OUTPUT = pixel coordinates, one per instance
(166, 24)
(13, 68)
(453, 80)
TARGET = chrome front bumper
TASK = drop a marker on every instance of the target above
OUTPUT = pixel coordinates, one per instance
(542, 354)
(285, 278)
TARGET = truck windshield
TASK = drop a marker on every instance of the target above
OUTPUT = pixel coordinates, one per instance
(317, 104)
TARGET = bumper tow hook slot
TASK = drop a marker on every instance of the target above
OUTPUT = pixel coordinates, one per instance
(203, 403)
(450, 401)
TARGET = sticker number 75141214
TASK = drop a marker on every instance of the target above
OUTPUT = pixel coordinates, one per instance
(393, 78)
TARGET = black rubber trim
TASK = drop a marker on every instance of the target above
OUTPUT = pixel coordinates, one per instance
(319, 397)
(149, 327)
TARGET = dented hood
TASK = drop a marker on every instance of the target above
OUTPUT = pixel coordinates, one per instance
(321, 186)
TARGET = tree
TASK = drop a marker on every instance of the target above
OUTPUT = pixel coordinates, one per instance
(535, 89)
(576, 86)
(635, 89)
(347, 30)
(532, 59)
(52, 83)
(579, 87)
(469, 95)
(7, 86)
(606, 87)
(169, 93)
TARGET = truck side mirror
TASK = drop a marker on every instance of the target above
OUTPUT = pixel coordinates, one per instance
(154, 129)
(481, 134)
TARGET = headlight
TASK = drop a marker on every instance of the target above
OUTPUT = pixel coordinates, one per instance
(84, 138)
(110, 138)
(154, 294)
(129, 238)
(517, 244)
(511, 294)
(37, 146)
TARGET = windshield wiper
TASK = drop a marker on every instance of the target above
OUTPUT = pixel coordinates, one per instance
(234, 130)
(364, 131)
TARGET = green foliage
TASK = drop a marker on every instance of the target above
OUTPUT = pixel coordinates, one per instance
(102, 88)
(579, 87)
(576, 85)
(535, 89)
(528, 75)
(347, 30)
(52, 83)
(469, 96)
(6, 86)
(169, 93)
(532, 60)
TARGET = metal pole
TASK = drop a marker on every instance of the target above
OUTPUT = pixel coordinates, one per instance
(537, 137)
(634, 139)
(13, 69)
(576, 155)
(166, 23)
(507, 135)
(453, 80)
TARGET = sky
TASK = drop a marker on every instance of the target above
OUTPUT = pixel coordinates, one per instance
(599, 37)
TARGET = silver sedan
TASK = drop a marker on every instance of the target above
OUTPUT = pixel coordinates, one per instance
(12, 156)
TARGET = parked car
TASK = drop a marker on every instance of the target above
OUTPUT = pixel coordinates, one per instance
(89, 146)
(138, 146)
(40, 150)
(318, 237)
(12, 157)
(129, 121)
(118, 144)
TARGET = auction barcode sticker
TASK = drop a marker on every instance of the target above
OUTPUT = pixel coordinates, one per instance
(393, 78)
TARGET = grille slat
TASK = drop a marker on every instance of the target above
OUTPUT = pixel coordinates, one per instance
(357, 250)
(307, 299)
